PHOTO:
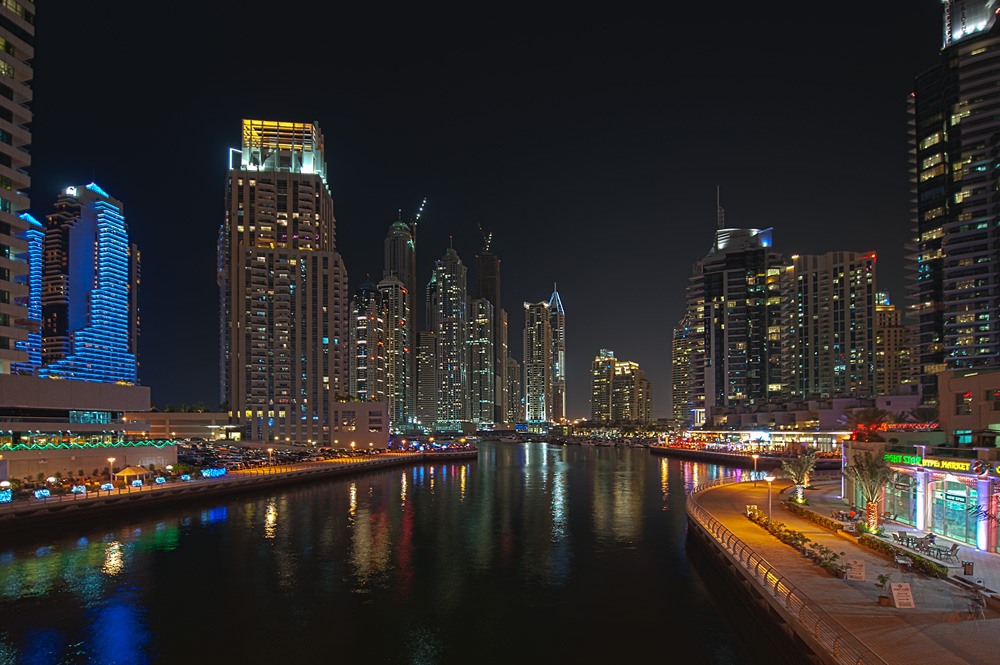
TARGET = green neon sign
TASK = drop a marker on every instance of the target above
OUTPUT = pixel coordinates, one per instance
(895, 458)
(66, 446)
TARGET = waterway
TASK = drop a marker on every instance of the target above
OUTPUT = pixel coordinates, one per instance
(533, 553)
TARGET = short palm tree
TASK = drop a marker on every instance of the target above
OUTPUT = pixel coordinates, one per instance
(871, 475)
(798, 471)
(866, 422)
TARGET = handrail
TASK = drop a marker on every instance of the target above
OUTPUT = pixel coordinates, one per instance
(838, 642)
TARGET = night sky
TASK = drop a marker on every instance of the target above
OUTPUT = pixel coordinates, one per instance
(589, 142)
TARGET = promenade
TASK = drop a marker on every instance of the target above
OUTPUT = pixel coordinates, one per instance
(941, 629)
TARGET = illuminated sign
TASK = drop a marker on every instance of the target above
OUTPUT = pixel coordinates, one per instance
(947, 464)
(894, 458)
(957, 498)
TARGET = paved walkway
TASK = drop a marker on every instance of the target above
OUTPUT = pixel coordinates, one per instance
(940, 630)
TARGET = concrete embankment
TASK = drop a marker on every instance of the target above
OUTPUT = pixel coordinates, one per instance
(15, 517)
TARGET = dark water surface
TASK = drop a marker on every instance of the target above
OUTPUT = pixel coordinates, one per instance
(534, 553)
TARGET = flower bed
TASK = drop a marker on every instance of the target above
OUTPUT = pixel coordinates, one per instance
(925, 566)
(821, 554)
(825, 522)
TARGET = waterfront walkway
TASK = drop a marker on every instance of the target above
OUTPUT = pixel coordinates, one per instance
(942, 629)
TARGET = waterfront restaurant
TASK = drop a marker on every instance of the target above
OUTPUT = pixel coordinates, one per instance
(781, 442)
(950, 492)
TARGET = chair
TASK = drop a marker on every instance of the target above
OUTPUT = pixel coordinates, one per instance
(950, 554)
(895, 539)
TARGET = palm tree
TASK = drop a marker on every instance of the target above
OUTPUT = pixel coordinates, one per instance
(923, 414)
(798, 471)
(870, 474)
(866, 422)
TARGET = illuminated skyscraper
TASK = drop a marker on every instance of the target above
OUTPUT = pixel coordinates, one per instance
(401, 329)
(282, 287)
(602, 375)
(427, 377)
(17, 37)
(681, 366)
(450, 323)
(893, 368)
(482, 380)
(488, 289)
(955, 245)
(557, 324)
(89, 304)
(367, 345)
(515, 407)
(619, 391)
(537, 363)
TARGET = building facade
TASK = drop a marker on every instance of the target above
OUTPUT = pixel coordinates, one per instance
(488, 289)
(631, 394)
(447, 295)
(515, 405)
(401, 330)
(602, 376)
(427, 378)
(367, 350)
(955, 245)
(283, 287)
(681, 372)
(482, 358)
(893, 373)
(557, 324)
(537, 363)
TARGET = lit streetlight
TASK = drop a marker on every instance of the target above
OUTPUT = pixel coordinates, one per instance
(269, 451)
(755, 456)
(769, 479)
(111, 469)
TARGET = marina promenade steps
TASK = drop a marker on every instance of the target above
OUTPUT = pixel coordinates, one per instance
(840, 620)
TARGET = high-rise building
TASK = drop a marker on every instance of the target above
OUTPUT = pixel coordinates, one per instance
(734, 314)
(893, 369)
(955, 247)
(427, 378)
(17, 39)
(400, 352)
(631, 394)
(449, 311)
(367, 345)
(557, 324)
(537, 363)
(515, 410)
(482, 379)
(619, 391)
(400, 264)
(829, 344)
(34, 238)
(283, 287)
(89, 303)
(681, 374)
(488, 289)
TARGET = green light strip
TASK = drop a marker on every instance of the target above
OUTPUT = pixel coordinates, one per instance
(54, 446)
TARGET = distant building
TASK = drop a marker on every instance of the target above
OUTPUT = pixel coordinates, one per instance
(482, 378)
(681, 366)
(734, 322)
(89, 304)
(447, 297)
(829, 346)
(488, 289)
(367, 345)
(427, 378)
(557, 324)
(537, 363)
(893, 366)
(401, 331)
(515, 406)
(282, 287)
(619, 391)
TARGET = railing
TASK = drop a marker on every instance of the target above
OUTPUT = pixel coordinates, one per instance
(831, 636)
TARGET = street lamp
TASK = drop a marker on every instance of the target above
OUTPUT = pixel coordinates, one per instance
(269, 451)
(769, 479)
(755, 456)
(111, 469)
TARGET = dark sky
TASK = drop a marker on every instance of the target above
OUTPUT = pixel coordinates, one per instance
(589, 142)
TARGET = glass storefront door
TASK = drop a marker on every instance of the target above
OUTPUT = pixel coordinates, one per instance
(901, 498)
(950, 515)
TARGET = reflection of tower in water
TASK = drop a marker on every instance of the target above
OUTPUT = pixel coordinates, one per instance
(618, 487)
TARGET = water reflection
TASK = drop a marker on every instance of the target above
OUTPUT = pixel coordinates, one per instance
(536, 541)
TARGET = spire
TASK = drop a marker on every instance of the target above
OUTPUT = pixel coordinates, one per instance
(720, 214)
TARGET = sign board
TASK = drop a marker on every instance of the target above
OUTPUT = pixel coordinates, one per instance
(856, 570)
(901, 595)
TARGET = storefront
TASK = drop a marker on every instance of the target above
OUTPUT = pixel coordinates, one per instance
(951, 498)
(901, 496)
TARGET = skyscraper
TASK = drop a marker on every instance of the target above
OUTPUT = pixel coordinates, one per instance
(557, 324)
(619, 390)
(602, 376)
(482, 379)
(282, 286)
(367, 345)
(955, 247)
(449, 310)
(830, 338)
(893, 368)
(488, 289)
(515, 409)
(17, 38)
(89, 304)
(537, 363)
(681, 371)
(401, 330)
(734, 311)
(427, 378)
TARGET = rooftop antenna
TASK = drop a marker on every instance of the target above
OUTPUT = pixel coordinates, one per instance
(720, 214)
(420, 211)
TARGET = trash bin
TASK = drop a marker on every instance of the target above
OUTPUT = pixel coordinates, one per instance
(967, 567)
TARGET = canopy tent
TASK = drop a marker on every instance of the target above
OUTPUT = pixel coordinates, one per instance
(133, 472)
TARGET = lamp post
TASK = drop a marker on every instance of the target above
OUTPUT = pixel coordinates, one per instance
(111, 469)
(769, 480)
(269, 451)
(755, 456)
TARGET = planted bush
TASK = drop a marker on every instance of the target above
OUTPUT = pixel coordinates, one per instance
(920, 564)
(813, 517)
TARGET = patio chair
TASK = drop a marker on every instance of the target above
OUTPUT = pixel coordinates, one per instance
(895, 539)
(950, 554)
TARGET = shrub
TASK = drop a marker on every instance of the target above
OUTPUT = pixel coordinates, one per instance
(920, 564)
(813, 517)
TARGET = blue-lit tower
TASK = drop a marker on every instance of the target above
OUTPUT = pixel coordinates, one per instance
(87, 300)
(557, 324)
(34, 235)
